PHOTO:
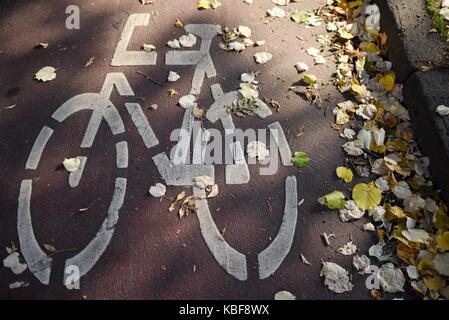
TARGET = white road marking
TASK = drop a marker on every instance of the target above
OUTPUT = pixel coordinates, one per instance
(38, 148)
(121, 149)
(277, 133)
(36, 259)
(180, 175)
(200, 141)
(272, 257)
(102, 108)
(201, 59)
(227, 257)
(122, 57)
(87, 258)
(237, 173)
(117, 81)
(182, 149)
(75, 177)
(143, 127)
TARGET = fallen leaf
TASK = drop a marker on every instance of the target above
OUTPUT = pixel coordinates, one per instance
(391, 279)
(304, 259)
(310, 79)
(46, 74)
(72, 164)
(284, 295)
(173, 76)
(213, 191)
(443, 110)
(179, 24)
(300, 159)
(336, 278)
(50, 248)
(333, 200)
(88, 63)
(188, 40)
(158, 190)
(345, 174)
(203, 5)
(148, 47)
(366, 196)
(348, 249)
(172, 92)
(263, 57)
(257, 149)
(188, 101)
(203, 182)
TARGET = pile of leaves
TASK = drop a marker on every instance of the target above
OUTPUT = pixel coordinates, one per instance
(406, 211)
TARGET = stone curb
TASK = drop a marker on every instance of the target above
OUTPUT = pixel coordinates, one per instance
(411, 46)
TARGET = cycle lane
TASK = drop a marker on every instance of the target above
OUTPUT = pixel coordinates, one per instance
(154, 254)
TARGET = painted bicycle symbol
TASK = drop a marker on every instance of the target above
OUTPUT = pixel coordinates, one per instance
(173, 172)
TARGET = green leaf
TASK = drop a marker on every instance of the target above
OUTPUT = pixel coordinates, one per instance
(333, 200)
(300, 159)
(300, 16)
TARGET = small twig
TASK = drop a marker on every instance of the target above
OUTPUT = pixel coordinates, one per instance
(150, 78)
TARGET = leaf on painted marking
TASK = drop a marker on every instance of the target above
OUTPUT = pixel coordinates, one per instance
(188, 101)
(203, 182)
(345, 174)
(300, 159)
(213, 191)
(148, 47)
(366, 196)
(333, 200)
(46, 74)
(72, 164)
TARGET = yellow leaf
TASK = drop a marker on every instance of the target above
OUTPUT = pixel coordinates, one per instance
(394, 213)
(355, 4)
(203, 5)
(366, 196)
(172, 92)
(388, 80)
(360, 90)
(345, 174)
(443, 240)
(433, 282)
(178, 24)
(424, 264)
(371, 47)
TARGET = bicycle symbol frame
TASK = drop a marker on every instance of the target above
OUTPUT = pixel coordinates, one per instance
(231, 260)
